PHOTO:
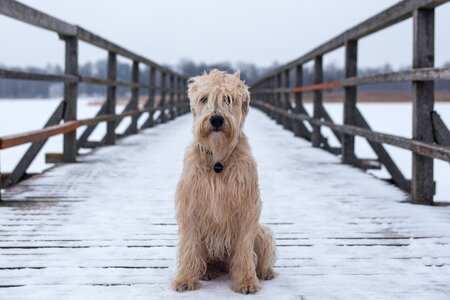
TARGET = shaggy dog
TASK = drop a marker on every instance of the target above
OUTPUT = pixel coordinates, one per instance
(217, 198)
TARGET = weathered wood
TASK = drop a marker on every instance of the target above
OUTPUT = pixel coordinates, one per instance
(441, 133)
(350, 70)
(318, 87)
(134, 101)
(12, 74)
(110, 107)
(386, 18)
(420, 74)
(18, 11)
(70, 97)
(101, 42)
(422, 183)
(10, 141)
(172, 97)
(150, 104)
(162, 103)
(287, 123)
(90, 129)
(318, 78)
(53, 158)
(26, 160)
(279, 96)
(422, 148)
(299, 127)
(397, 176)
(324, 114)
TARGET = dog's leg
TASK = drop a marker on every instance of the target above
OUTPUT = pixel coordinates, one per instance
(243, 263)
(265, 250)
(191, 264)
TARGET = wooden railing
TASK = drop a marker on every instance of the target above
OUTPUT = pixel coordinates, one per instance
(171, 88)
(431, 138)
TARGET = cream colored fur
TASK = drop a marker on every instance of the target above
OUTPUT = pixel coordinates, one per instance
(218, 213)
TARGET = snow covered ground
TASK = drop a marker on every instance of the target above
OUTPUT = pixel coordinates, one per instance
(23, 115)
(104, 228)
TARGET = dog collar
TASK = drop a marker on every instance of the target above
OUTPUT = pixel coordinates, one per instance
(218, 167)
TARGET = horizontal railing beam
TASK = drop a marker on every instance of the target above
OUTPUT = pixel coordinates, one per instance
(21, 12)
(12, 74)
(423, 74)
(425, 149)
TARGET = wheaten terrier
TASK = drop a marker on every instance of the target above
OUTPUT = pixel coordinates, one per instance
(217, 198)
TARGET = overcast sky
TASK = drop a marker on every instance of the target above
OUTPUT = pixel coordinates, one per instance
(258, 31)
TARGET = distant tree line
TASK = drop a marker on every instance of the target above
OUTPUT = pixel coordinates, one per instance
(10, 88)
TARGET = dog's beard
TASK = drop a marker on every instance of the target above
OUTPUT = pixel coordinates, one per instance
(220, 143)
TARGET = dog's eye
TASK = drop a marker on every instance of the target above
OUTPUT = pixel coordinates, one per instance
(204, 99)
(227, 99)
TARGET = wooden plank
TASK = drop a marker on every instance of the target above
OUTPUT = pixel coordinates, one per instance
(18, 11)
(317, 101)
(422, 183)
(318, 87)
(70, 98)
(350, 70)
(440, 130)
(386, 18)
(279, 96)
(13, 140)
(110, 108)
(19, 171)
(324, 114)
(12, 74)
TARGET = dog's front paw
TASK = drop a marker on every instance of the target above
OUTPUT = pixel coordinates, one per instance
(268, 275)
(182, 285)
(246, 287)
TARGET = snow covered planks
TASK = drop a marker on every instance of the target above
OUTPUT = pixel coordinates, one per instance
(104, 227)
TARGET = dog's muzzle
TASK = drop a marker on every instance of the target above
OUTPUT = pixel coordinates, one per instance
(216, 121)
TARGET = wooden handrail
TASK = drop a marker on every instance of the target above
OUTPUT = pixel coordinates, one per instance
(37, 135)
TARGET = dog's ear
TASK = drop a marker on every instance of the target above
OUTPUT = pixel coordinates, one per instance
(237, 74)
(192, 91)
(245, 100)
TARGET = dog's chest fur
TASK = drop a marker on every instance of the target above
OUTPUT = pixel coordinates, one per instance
(214, 202)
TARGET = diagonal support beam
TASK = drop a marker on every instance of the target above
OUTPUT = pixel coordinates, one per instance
(19, 171)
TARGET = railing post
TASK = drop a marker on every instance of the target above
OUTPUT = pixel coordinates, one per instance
(298, 99)
(162, 103)
(318, 78)
(70, 98)
(287, 101)
(134, 97)
(172, 96)
(279, 103)
(351, 70)
(422, 182)
(110, 108)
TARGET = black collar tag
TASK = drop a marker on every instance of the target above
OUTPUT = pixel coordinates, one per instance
(218, 167)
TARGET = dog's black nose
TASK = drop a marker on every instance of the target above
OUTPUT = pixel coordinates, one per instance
(216, 121)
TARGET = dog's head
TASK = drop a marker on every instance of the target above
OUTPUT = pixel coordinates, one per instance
(219, 103)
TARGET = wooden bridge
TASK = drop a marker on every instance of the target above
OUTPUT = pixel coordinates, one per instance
(102, 225)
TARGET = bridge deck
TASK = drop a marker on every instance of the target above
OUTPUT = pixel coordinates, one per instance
(104, 227)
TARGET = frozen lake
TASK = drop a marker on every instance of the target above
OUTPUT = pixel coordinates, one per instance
(396, 118)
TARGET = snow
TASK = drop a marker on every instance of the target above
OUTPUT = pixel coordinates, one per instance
(394, 118)
(103, 228)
